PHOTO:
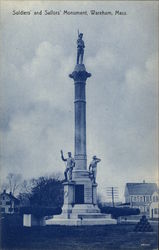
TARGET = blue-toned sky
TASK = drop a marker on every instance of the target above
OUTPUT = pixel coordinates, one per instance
(37, 113)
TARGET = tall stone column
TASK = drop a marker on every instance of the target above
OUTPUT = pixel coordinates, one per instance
(80, 76)
(80, 193)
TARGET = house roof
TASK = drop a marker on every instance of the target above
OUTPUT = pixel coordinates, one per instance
(10, 196)
(141, 188)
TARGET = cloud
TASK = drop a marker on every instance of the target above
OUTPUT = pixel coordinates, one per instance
(37, 102)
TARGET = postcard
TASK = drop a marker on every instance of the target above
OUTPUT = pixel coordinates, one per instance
(79, 124)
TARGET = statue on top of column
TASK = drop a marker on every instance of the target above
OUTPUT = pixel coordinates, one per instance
(80, 48)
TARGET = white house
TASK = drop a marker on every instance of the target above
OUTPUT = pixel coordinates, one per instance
(8, 203)
(139, 195)
(154, 206)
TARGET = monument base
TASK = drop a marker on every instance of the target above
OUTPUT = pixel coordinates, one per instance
(81, 214)
(76, 214)
(82, 221)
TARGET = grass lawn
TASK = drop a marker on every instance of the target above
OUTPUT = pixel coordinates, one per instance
(107, 237)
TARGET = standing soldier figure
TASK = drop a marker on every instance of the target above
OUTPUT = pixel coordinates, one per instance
(80, 48)
(93, 167)
(70, 163)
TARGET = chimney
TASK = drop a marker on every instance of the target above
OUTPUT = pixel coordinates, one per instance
(4, 191)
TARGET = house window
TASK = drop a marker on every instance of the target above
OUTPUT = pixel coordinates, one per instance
(0, 203)
(138, 198)
(156, 211)
(147, 198)
(8, 202)
(134, 198)
(10, 209)
(156, 198)
(3, 198)
(2, 209)
(141, 198)
(153, 198)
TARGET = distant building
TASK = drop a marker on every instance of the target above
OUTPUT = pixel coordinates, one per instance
(154, 206)
(139, 195)
(8, 203)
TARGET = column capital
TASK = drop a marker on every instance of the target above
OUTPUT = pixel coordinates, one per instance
(80, 74)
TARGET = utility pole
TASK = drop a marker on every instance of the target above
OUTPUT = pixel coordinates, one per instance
(112, 192)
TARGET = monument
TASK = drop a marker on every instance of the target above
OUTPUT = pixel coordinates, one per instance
(80, 187)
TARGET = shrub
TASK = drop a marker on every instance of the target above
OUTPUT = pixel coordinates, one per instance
(117, 212)
(40, 211)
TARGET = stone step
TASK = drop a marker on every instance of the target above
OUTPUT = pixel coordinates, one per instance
(79, 222)
(93, 216)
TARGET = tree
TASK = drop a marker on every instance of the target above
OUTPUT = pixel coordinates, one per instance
(12, 183)
(40, 211)
(46, 191)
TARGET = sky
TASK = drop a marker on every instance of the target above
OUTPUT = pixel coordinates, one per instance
(38, 52)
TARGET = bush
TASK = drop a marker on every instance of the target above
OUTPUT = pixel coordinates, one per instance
(39, 211)
(117, 212)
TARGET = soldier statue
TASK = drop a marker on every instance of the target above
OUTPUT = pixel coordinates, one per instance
(80, 48)
(93, 168)
(70, 164)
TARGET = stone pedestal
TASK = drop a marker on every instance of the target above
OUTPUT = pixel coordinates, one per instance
(80, 210)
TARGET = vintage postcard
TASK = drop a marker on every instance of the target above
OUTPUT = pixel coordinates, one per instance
(79, 124)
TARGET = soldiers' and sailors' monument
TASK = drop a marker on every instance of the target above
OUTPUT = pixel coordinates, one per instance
(80, 187)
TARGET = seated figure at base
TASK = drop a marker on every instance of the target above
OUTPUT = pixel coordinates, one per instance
(93, 168)
(70, 164)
